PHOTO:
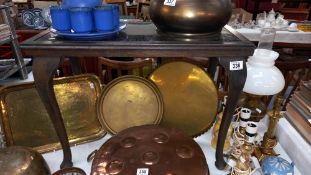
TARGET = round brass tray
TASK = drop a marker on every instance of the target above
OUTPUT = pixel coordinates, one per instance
(189, 95)
(130, 101)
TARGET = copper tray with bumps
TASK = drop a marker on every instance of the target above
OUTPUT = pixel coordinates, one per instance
(152, 150)
(25, 121)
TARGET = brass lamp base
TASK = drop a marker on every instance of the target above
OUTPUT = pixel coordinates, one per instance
(269, 139)
(266, 149)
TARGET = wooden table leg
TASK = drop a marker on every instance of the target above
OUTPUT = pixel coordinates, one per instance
(237, 80)
(75, 65)
(43, 71)
(212, 65)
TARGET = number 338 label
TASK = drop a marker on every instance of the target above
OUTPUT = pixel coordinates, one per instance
(170, 2)
(142, 171)
(236, 65)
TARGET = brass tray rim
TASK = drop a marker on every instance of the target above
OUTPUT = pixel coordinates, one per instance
(4, 121)
(112, 83)
(217, 100)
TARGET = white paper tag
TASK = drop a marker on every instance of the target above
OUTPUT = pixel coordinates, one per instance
(236, 65)
(142, 171)
(170, 2)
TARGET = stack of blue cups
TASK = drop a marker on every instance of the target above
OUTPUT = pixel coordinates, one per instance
(103, 18)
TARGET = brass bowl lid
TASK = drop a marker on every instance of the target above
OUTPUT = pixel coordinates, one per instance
(17, 160)
(152, 149)
(130, 101)
(189, 95)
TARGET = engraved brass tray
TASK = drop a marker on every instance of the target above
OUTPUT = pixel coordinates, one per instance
(130, 101)
(189, 95)
(25, 121)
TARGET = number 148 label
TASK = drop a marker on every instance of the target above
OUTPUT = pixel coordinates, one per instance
(142, 171)
(236, 65)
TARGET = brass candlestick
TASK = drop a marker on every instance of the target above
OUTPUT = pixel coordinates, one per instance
(269, 139)
(243, 162)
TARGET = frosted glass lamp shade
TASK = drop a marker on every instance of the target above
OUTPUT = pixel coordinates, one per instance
(263, 78)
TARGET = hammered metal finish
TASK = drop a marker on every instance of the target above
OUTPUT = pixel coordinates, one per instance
(190, 16)
(16, 160)
(163, 151)
(26, 122)
(70, 171)
(189, 95)
(130, 101)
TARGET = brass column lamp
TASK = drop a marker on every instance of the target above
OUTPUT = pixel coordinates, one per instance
(269, 139)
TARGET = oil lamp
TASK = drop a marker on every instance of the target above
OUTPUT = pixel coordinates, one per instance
(263, 79)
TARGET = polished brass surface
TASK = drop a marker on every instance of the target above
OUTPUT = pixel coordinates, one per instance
(26, 122)
(163, 151)
(304, 27)
(269, 139)
(130, 101)
(266, 149)
(17, 160)
(256, 105)
(190, 97)
(244, 161)
(190, 16)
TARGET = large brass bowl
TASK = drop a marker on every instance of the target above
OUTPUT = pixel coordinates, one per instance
(16, 160)
(190, 16)
(189, 95)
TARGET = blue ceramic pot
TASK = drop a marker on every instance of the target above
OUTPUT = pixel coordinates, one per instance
(60, 18)
(81, 3)
(272, 165)
(104, 19)
(81, 19)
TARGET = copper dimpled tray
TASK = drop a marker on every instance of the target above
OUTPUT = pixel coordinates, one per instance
(25, 121)
(151, 149)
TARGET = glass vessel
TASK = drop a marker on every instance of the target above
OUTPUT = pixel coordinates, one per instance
(266, 40)
(263, 78)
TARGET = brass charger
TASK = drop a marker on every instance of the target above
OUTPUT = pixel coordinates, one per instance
(189, 95)
(25, 121)
(130, 101)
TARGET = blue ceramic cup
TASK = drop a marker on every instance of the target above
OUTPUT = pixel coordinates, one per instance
(103, 16)
(116, 17)
(60, 18)
(81, 19)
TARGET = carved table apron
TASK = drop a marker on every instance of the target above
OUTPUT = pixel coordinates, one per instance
(139, 40)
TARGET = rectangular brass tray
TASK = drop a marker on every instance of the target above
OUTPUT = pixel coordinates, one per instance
(25, 121)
